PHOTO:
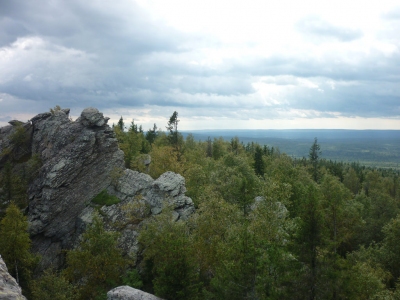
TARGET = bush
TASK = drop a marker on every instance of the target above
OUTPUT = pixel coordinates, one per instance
(103, 198)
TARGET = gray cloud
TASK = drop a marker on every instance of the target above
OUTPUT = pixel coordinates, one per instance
(116, 57)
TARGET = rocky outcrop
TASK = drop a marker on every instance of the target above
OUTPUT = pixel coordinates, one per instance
(9, 288)
(168, 189)
(141, 196)
(79, 160)
(128, 293)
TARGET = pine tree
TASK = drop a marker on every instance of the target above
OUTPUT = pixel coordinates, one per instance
(258, 161)
(314, 153)
(174, 136)
(15, 245)
(121, 124)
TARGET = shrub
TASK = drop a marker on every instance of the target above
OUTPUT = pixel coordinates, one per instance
(103, 198)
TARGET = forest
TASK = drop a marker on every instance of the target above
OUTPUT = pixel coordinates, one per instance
(266, 226)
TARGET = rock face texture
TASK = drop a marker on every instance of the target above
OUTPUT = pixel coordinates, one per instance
(9, 288)
(79, 160)
(141, 196)
(128, 293)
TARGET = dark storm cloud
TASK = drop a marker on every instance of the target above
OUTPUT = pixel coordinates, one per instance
(318, 27)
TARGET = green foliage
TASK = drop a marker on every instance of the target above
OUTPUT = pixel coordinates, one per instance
(103, 198)
(314, 154)
(152, 134)
(95, 266)
(15, 246)
(391, 247)
(267, 226)
(259, 164)
(133, 279)
(121, 124)
(53, 286)
(168, 252)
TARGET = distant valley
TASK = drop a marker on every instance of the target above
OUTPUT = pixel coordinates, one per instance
(373, 148)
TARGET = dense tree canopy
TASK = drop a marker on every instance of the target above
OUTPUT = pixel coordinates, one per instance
(266, 226)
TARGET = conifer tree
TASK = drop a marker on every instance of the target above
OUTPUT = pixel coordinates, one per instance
(121, 124)
(314, 153)
(15, 245)
(258, 161)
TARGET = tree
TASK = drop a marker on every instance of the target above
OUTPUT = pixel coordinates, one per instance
(15, 245)
(151, 134)
(133, 127)
(314, 159)
(168, 258)
(259, 165)
(173, 128)
(53, 286)
(121, 124)
(310, 237)
(96, 265)
(209, 150)
(351, 181)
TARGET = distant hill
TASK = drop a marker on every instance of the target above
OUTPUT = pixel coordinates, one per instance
(375, 148)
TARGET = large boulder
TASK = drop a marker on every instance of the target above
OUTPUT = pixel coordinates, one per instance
(129, 293)
(9, 288)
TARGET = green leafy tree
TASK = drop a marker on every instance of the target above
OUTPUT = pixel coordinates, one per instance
(15, 245)
(219, 148)
(96, 265)
(168, 255)
(391, 247)
(351, 181)
(53, 286)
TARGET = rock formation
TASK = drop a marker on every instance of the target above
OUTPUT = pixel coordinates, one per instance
(128, 293)
(79, 160)
(9, 288)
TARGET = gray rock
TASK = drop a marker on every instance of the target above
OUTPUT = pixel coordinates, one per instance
(9, 288)
(169, 189)
(77, 162)
(129, 293)
(130, 184)
(15, 122)
(91, 117)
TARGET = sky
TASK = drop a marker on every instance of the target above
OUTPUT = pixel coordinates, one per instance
(220, 64)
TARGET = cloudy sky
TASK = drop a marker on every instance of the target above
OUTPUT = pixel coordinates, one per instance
(219, 63)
